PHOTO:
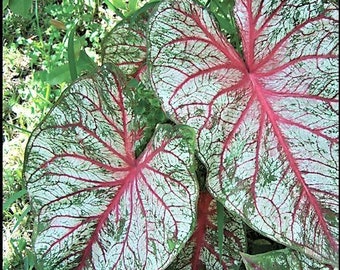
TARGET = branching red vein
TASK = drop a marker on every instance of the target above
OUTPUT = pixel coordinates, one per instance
(293, 62)
(311, 130)
(282, 141)
(104, 216)
(77, 156)
(232, 133)
(200, 73)
(279, 44)
(266, 22)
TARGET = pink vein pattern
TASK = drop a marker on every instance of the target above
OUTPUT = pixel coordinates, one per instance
(97, 205)
(266, 121)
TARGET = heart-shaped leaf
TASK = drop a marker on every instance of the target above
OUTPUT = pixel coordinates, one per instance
(267, 126)
(97, 206)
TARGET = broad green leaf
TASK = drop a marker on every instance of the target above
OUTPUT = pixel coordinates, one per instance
(267, 123)
(71, 55)
(202, 251)
(283, 259)
(85, 63)
(119, 3)
(62, 74)
(22, 8)
(97, 205)
(4, 4)
(58, 75)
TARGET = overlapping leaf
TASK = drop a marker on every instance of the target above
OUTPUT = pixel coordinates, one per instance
(282, 259)
(202, 250)
(97, 206)
(125, 46)
(267, 126)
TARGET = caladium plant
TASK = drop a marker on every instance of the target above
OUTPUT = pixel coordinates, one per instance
(264, 123)
(267, 122)
(98, 206)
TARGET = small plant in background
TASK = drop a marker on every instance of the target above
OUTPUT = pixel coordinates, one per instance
(207, 139)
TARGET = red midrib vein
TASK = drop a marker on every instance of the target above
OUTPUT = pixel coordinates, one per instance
(104, 216)
(257, 88)
(199, 235)
(128, 181)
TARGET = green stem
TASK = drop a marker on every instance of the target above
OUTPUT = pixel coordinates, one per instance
(37, 22)
(48, 92)
(71, 55)
(220, 227)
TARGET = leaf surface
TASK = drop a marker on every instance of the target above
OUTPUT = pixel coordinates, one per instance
(267, 122)
(282, 259)
(202, 250)
(97, 205)
(125, 44)
(125, 47)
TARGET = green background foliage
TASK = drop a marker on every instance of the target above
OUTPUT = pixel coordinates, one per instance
(42, 42)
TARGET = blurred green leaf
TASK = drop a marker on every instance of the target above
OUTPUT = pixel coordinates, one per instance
(21, 217)
(118, 4)
(133, 5)
(114, 8)
(71, 55)
(4, 4)
(29, 261)
(13, 198)
(85, 62)
(62, 74)
(59, 75)
(20, 7)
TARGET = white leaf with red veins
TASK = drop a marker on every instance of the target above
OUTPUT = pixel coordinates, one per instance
(97, 206)
(267, 126)
(125, 46)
